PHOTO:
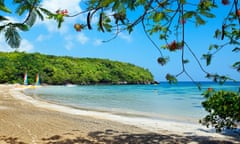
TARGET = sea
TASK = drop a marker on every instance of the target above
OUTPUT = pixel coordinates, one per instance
(178, 102)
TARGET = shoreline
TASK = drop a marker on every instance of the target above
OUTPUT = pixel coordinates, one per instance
(153, 125)
(119, 112)
(131, 124)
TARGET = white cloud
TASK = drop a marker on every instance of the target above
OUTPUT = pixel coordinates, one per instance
(53, 5)
(42, 37)
(82, 38)
(69, 42)
(25, 46)
(126, 37)
(97, 42)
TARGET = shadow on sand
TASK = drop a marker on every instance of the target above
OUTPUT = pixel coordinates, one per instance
(114, 137)
(11, 140)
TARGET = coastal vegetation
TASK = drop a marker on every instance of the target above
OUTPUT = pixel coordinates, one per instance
(58, 70)
(223, 109)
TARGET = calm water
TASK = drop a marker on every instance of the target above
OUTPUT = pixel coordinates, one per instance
(181, 101)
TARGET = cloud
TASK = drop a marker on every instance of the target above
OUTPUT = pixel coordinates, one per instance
(97, 42)
(69, 42)
(25, 46)
(82, 38)
(71, 5)
(126, 37)
(42, 37)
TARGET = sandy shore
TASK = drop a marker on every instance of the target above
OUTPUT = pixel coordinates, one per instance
(26, 120)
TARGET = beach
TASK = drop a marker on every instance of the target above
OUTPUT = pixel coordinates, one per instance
(27, 120)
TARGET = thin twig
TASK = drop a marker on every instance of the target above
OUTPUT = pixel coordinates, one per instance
(193, 54)
(154, 44)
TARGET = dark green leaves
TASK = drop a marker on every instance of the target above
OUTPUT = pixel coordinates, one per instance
(236, 66)
(208, 58)
(199, 20)
(189, 14)
(22, 8)
(223, 109)
(237, 49)
(207, 14)
(219, 78)
(104, 23)
(22, 27)
(162, 61)
(171, 78)
(62, 70)
(12, 37)
(158, 16)
(2, 18)
(3, 8)
(31, 18)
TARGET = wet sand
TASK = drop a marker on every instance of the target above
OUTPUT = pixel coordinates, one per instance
(24, 122)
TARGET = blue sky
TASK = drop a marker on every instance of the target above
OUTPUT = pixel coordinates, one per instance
(45, 38)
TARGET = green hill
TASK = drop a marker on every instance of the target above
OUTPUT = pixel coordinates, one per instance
(58, 70)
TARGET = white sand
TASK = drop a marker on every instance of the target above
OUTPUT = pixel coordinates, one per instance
(157, 126)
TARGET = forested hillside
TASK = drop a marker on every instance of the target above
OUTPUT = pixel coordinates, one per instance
(56, 70)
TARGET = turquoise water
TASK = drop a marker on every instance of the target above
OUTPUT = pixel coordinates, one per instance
(178, 102)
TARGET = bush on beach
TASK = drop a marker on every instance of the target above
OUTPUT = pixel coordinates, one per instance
(223, 108)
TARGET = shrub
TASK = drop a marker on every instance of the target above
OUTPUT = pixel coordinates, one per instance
(223, 108)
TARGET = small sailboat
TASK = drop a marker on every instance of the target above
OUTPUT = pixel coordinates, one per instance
(25, 79)
(37, 80)
(37, 83)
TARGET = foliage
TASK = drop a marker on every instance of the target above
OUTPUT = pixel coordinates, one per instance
(223, 108)
(62, 70)
(11, 29)
(165, 18)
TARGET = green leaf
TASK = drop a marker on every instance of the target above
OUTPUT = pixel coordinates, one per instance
(208, 58)
(39, 14)
(237, 49)
(207, 14)
(22, 8)
(189, 14)
(162, 60)
(185, 61)
(32, 18)
(182, 1)
(171, 79)
(130, 28)
(213, 46)
(5, 9)
(199, 20)
(108, 27)
(236, 65)
(2, 18)
(12, 37)
(1, 28)
(218, 34)
(21, 26)
(158, 16)
(140, 2)
(105, 3)
(46, 12)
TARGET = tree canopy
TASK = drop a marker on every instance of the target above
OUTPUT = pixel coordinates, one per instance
(165, 18)
(68, 70)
